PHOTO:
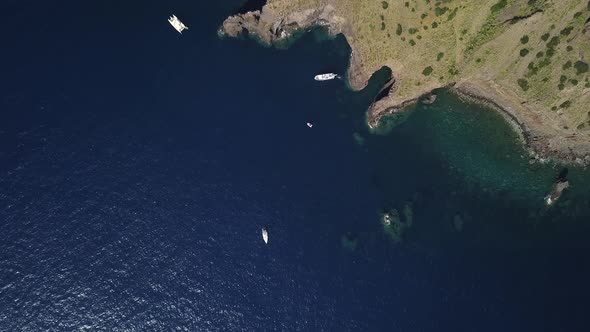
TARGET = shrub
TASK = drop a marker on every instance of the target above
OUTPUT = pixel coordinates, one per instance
(562, 79)
(524, 84)
(524, 39)
(545, 36)
(412, 31)
(399, 29)
(581, 67)
(498, 7)
(567, 65)
(574, 82)
(434, 25)
(550, 52)
(569, 48)
(427, 71)
(553, 42)
(440, 11)
(452, 14)
(566, 104)
(524, 52)
(540, 54)
(439, 56)
(412, 42)
(384, 4)
(566, 31)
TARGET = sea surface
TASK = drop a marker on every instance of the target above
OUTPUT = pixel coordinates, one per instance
(138, 166)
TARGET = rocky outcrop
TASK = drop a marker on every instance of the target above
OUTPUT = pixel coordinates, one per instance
(270, 26)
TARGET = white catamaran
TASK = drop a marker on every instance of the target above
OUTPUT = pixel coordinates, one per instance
(325, 77)
(175, 22)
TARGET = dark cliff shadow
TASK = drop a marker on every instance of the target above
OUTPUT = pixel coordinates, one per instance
(249, 6)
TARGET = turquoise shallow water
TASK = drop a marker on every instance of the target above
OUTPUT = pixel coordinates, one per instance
(492, 183)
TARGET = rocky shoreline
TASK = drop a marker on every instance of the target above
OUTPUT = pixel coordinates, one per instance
(544, 141)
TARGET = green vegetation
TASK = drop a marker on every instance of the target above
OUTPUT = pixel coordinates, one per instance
(566, 31)
(438, 11)
(524, 39)
(524, 52)
(553, 42)
(545, 36)
(439, 56)
(427, 71)
(399, 29)
(524, 84)
(453, 14)
(495, 9)
(581, 67)
(384, 4)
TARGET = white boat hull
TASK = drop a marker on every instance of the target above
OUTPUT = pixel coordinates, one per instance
(325, 77)
(177, 24)
(264, 235)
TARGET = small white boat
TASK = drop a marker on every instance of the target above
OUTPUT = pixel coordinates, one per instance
(325, 77)
(309, 124)
(264, 235)
(175, 22)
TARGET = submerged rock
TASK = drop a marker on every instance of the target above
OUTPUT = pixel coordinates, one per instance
(458, 222)
(358, 139)
(408, 214)
(349, 241)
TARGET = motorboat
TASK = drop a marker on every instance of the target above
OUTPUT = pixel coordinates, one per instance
(325, 77)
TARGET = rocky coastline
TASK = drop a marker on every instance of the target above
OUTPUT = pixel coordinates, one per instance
(544, 139)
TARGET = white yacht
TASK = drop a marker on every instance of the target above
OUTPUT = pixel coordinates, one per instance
(264, 235)
(175, 22)
(309, 124)
(325, 77)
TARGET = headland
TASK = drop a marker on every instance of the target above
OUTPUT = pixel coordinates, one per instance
(526, 58)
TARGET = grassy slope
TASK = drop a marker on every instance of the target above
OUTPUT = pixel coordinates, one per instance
(442, 41)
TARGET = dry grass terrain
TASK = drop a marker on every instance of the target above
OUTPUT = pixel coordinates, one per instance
(532, 54)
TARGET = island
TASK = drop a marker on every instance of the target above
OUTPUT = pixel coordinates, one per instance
(529, 59)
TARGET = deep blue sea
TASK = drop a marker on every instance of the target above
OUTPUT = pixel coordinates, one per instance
(138, 166)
